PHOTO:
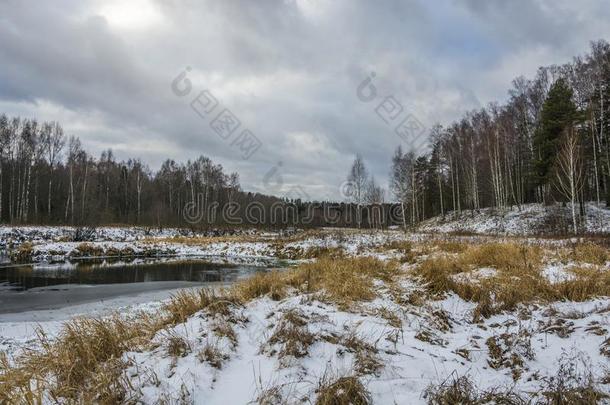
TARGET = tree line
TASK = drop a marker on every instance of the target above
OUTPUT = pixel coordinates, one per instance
(46, 177)
(550, 142)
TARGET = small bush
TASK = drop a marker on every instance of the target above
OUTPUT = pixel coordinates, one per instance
(223, 329)
(84, 234)
(391, 317)
(455, 391)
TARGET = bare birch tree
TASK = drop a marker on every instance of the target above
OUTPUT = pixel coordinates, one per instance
(358, 177)
(569, 173)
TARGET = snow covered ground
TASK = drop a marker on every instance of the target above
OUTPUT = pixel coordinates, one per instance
(431, 344)
(530, 219)
(398, 346)
(50, 245)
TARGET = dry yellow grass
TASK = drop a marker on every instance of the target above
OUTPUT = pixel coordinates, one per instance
(589, 253)
(346, 281)
(451, 246)
(518, 278)
(588, 282)
(342, 282)
(274, 283)
(342, 391)
(84, 362)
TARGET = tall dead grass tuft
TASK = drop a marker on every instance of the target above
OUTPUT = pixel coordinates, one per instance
(79, 364)
(185, 303)
(274, 283)
(587, 282)
(461, 390)
(212, 354)
(346, 390)
(346, 281)
(292, 336)
(503, 256)
(341, 281)
(589, 253)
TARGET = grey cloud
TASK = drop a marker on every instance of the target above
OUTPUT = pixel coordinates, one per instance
(288, 69)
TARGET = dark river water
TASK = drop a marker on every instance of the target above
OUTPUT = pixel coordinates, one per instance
(41, 287)
(22, 278)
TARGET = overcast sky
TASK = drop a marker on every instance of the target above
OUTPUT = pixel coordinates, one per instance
(289, 71)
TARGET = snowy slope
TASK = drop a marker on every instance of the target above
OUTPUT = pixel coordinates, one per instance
(530, 219)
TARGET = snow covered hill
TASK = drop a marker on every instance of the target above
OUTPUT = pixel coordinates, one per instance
(530, 219)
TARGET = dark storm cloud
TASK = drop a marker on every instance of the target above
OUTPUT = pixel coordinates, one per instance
(287, 69)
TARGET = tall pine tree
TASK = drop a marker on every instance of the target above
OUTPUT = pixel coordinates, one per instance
(558, 112)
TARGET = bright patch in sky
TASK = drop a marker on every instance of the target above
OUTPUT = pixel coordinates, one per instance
(132, 14)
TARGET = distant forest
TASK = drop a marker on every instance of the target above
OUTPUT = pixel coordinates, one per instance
(48, 178)
(550, 142)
